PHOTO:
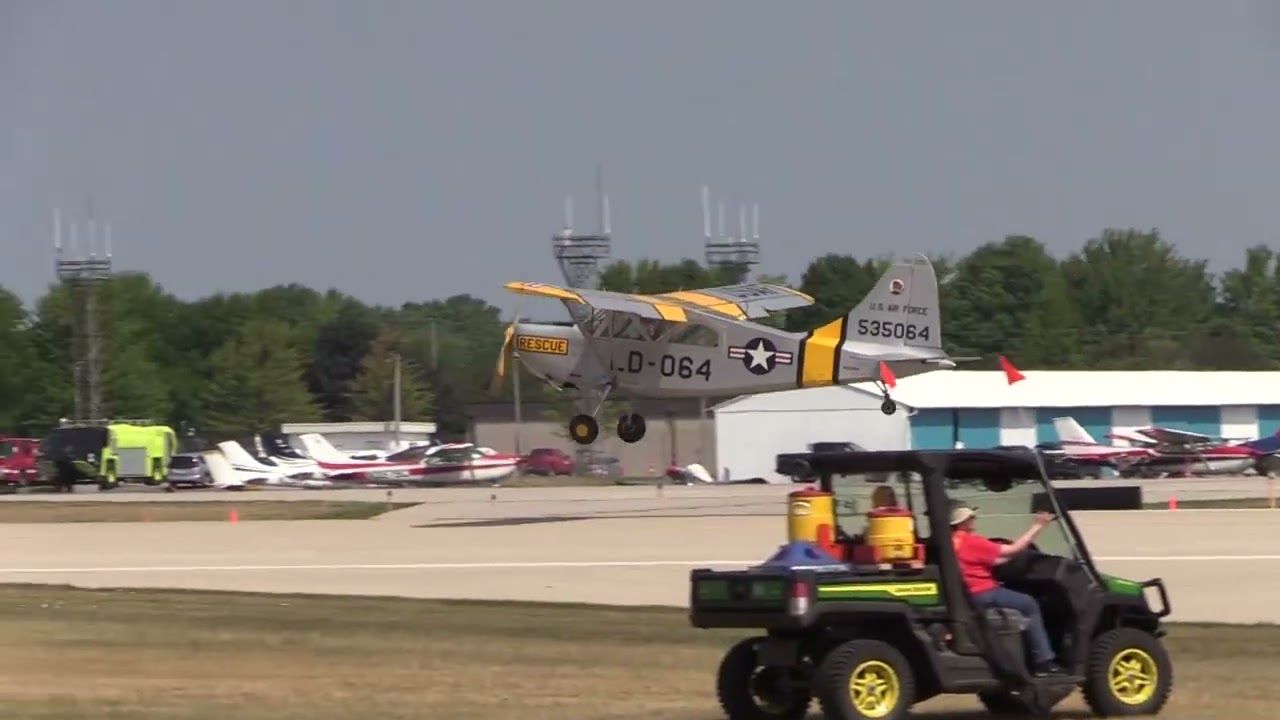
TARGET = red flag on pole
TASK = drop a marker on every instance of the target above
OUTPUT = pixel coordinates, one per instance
(1010, 372)
(886, 375)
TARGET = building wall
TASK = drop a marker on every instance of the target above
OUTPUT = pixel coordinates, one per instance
(1128, 419)
(1018, 426)
(694, 442)
(1095, 420)
(1268, 419)
(933, 429)
(1239, 422)
(748, 442)
(358, 441)
(1205, 420)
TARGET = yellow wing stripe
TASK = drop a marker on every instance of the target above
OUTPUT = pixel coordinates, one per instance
(543, 290)
(820, 354)
(707, 302)
(675, 313)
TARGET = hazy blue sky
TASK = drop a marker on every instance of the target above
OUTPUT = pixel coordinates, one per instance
(412, 150)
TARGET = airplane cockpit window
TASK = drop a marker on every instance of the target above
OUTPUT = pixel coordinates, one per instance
(692, 334)
(628, 327)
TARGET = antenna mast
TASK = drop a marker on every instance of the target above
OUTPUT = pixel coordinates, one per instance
(83, 277)
(725, 253)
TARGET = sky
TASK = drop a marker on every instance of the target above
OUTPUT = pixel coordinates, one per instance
(409, 151)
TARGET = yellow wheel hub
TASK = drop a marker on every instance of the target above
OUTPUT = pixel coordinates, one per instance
(1132, 676)
(874, 689)
(580, 430)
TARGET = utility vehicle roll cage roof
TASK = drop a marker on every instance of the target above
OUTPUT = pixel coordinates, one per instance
(952, 464)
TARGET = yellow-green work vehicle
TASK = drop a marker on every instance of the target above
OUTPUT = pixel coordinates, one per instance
(109, 455)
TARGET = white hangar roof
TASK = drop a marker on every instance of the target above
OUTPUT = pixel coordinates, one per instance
(1085, 388)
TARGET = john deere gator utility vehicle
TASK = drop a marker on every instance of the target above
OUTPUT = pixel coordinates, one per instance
(865, 608)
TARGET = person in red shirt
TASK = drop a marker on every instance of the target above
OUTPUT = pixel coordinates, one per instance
(977, 556)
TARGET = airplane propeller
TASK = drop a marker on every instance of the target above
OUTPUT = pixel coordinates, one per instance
(505, 355)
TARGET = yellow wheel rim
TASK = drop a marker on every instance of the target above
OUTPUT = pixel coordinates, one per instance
(874, 689)
(1132, 676)
(580, 430)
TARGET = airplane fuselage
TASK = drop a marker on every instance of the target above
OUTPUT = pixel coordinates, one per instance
(737, 358)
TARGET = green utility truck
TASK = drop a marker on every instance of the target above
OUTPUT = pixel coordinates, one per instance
(870, 639)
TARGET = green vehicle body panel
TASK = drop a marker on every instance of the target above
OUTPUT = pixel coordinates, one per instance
(158, 441)
(1121, 586)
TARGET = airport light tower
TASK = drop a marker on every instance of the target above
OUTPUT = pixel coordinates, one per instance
(731, 257)
(582, 256)
(84, 275)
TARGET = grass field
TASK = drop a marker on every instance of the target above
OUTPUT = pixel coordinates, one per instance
(128, 654)
(105, 511)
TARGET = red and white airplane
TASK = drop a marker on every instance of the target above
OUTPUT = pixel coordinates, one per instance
(437, 464)
(1157, 451)
(1191, 453)
(1080, 447)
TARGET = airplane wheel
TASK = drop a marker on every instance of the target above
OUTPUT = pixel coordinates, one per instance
(888, 407)
(631, 427)
(584, 429)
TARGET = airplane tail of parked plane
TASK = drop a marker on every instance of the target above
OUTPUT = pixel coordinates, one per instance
(224, 476)
(239, 457)
(902, 309)
(321, 450)
(1070, 431)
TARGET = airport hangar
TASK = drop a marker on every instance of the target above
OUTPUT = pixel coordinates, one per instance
(981, 409)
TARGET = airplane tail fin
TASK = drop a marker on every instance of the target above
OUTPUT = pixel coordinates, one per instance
(1070, 431)
(902, 309)
(320, 450)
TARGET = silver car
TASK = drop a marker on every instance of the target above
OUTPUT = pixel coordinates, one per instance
(189, 470)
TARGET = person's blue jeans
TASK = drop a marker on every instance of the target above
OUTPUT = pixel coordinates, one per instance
(1038, 637)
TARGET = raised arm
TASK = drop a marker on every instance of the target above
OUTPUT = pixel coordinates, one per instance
(1042, 520)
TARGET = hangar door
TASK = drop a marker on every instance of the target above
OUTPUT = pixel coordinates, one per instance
(933, 429)
(1095, 420)
(1203, 420)
(1268, 420)
(940, 428)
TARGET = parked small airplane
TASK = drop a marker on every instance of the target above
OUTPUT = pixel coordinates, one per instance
(704, 343)
(1080, 447)
(1159, 451)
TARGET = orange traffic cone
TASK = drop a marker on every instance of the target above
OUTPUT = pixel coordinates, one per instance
(1173, 501)
(234, 516)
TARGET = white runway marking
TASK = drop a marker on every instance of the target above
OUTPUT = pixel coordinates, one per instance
(548, 564)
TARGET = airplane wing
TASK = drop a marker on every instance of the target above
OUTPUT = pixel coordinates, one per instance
(1174, 437)
(748, 300)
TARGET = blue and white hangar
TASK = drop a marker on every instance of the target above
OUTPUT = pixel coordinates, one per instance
(982, 409)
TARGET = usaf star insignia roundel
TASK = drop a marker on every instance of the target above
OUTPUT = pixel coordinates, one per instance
(760, 355)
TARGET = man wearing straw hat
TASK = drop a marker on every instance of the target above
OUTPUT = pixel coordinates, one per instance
(977, 555)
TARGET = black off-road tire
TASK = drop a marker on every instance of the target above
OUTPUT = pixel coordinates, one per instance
(835, 674)
(1098, 693)
(735, 692)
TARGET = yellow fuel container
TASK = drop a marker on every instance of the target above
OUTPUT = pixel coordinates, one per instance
(891, 533)
(811, 517)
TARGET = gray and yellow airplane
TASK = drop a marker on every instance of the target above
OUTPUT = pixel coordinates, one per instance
(704, 343)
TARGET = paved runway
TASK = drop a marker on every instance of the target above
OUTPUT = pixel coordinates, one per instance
(624, 545)
(1156, 491)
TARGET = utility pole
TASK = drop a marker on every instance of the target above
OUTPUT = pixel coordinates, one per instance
(396, 402)
(515, 395)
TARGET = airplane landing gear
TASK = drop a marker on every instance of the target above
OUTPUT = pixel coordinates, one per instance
(631, 427)
(888, 407)
(583, 429)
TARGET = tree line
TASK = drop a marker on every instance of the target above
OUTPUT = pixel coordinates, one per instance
(236, 363)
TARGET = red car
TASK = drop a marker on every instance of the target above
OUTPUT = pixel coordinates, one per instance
(547, 461)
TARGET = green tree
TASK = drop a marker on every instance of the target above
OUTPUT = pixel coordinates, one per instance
(341, 343)
(372, 396)
(14, 356)
(998, 294)
(456, 343)
(256, 383)
(1138, 299)
(837, 283)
